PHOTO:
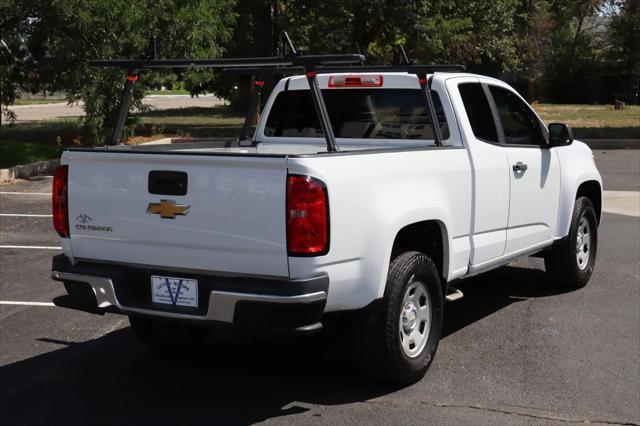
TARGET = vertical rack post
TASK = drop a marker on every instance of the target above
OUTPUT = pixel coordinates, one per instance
(127, 94)
(321, 109)
(435, 123)
(254, 109)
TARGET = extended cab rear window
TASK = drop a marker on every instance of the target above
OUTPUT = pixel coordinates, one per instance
(357, 114)
(478, 111)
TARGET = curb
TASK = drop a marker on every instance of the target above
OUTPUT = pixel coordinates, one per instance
(163, 141)
(612, 143)
(29, 170)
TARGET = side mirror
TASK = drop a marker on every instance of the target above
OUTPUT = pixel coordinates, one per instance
(560, 135)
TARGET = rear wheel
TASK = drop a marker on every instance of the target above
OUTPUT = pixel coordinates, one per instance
(402, 335)
(165, 334)
(570, 263)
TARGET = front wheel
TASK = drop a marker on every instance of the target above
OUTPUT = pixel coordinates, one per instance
(570, 263)
(401, 337)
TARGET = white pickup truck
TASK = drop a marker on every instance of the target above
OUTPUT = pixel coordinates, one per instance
(278, 234)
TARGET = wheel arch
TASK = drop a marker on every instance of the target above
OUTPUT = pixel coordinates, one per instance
(426, 236)
(593, 191)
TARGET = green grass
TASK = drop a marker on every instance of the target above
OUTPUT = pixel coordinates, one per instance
(594, 121)
(25, 143)
(38, 101)
(28, 142)
(217, 121)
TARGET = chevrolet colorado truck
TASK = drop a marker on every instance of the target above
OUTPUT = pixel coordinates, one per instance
(362, 192)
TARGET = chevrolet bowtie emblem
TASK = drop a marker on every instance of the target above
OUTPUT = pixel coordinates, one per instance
(168, 209)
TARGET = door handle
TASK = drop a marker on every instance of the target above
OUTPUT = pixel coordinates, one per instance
(519, 167)
(165, 182)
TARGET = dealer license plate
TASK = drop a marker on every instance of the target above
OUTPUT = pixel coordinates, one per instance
(174, 291)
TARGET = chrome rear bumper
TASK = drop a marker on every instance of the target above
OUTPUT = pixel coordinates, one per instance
(280, 305)
(222, 304)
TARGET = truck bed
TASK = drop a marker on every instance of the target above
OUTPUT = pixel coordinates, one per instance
(233, 146)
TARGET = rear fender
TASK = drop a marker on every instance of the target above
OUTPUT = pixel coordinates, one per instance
(411, 218)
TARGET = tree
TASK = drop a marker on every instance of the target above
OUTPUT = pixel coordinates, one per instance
(254, 34)
(624, 30)
(62, 36)
(556, 46)
(471, 32)
(575, 50)
(9, 77)
(534, 22)
(476, 33)
(16, 62)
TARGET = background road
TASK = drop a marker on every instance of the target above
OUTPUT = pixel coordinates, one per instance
(514, 351)
(59, 110)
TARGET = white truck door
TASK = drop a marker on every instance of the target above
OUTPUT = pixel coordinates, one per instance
(490, 169)
(533, 168)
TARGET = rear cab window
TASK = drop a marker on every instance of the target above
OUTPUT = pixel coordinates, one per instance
(359, 116)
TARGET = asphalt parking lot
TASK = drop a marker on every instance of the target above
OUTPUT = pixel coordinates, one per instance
(514, 351)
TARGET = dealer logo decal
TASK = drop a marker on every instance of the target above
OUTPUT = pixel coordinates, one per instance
(83, 218)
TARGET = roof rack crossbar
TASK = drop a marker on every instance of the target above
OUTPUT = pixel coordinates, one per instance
(413, 69)
(269, 61)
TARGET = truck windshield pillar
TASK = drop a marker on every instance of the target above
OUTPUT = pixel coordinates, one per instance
(435, 123)
(127, 95)
(321, 110)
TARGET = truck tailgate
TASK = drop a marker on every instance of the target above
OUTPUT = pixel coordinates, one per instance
(235, 222)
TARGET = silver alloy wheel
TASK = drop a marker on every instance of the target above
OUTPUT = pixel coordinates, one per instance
(415, 318)
(583, 243)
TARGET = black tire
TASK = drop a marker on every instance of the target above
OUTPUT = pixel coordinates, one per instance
(382, 356)
(561, 263)
(165, 334)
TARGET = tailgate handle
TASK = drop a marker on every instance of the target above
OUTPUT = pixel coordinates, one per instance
(164, 182)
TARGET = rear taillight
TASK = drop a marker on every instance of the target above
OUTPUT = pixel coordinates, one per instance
(355, 81)
(307, 216)
(59, 201)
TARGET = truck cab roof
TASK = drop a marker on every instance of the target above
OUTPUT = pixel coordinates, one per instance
(390, 80)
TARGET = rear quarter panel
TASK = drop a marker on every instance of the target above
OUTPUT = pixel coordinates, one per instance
(372, 196)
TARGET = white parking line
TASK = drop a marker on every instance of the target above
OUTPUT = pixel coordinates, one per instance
(17, 302)
(32, 247)
(25, 193)
(24, 215)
